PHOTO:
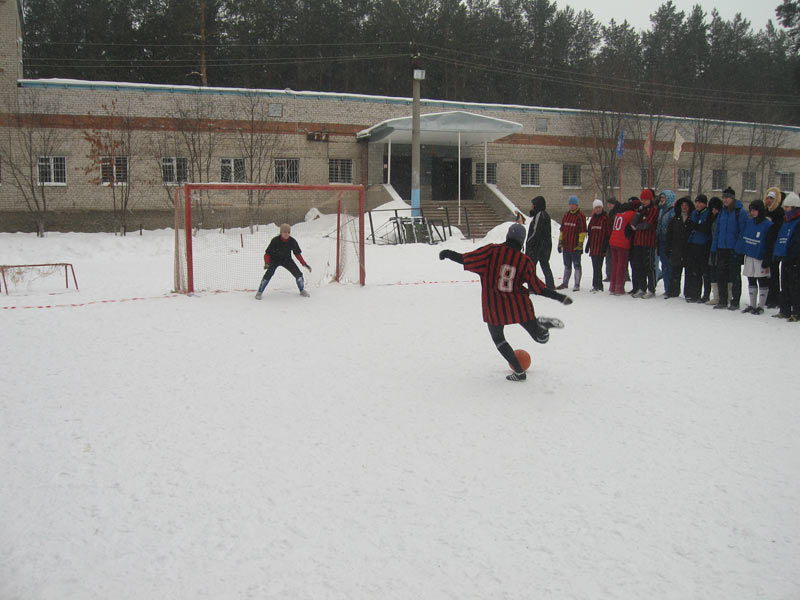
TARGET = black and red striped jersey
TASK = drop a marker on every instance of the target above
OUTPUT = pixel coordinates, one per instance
(503, 271)
(599, 232)
(645, 234)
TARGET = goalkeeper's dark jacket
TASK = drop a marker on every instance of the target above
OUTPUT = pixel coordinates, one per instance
(280, 252)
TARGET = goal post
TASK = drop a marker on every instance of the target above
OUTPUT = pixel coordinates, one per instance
(215, 254)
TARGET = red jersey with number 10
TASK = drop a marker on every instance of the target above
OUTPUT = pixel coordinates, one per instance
(503, 271)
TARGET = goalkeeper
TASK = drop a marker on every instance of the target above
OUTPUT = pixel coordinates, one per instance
(279, 254)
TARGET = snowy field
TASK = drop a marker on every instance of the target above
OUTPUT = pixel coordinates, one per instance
(364, 444)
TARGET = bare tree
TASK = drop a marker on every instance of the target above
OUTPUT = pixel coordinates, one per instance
(704, 130)
(31, 152)
(111, 153)
(599, 131)
(258, 147)
(641, 127)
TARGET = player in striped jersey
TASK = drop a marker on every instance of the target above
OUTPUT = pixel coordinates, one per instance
(508, 277)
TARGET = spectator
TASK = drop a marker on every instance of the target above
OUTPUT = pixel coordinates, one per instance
(539, 243)
(710, 273)
(619, 245)
(753, 246)
(787, 250)
(597, 244)
(570, 242)
(643, 247)
(677, 247)
(773, 200)
(729, 227)
(666, 200)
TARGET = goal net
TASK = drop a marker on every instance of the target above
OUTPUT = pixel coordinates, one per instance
(222, 230)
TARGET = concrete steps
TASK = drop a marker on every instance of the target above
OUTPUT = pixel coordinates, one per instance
(482, 218)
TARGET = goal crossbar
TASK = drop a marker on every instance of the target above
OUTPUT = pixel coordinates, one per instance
(187, 188)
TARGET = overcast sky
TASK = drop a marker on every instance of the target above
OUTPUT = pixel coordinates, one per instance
(638, 12)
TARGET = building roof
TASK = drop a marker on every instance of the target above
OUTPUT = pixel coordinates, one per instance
(444, 128)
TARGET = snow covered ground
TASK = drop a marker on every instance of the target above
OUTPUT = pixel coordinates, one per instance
(363, 443)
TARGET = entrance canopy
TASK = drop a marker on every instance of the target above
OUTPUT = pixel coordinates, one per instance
(442, 129)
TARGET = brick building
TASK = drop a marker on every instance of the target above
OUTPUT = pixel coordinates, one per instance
(92, 145)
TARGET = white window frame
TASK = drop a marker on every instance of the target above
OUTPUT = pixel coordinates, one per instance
(287, 170)
(716, 175)
(530, 175)
(236, 170)
(116, 171)
(340, 170)
(491, 173)
(541, 125)
(786, 180)
(571, 176)
(686, 175)
(51, 163)
(172, 163)
(753, 179)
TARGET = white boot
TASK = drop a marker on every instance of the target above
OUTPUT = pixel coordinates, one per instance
(714, 299)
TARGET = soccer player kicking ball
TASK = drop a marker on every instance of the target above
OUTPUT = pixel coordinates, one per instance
(504, 270)
(279, 254)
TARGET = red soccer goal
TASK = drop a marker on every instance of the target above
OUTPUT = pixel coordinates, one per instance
(221, 230)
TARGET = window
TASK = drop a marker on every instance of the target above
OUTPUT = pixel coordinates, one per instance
(114, 170)
(610, 178)
(491, 174)
(684, 179)
(275, 110)
(52, 170)
(287, 170)
(571, 176)
(174, 169)
(529, 174)
(645, 179)
(340, 170)
(719, 179)
(749, 181)
(541, 125)
(787, 182)
(232, 170)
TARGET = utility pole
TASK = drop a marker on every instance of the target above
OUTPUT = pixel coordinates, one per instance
(418, 76)
(203, 72)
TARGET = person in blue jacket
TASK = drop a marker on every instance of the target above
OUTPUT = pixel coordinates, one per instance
(729, 227)
(666, 201)
(787, 250)
(753, 246)
(697, 250)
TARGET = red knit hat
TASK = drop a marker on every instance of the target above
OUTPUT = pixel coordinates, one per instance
(646, 195)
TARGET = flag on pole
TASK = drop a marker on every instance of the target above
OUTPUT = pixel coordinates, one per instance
(679, 141)
(621, 143)
(648, 146)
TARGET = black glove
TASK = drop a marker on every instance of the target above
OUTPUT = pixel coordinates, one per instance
(308, 266)
(452, 255)
(559, 248)
(766, 263)
(587, 248)
(566, 300)
(712, 259)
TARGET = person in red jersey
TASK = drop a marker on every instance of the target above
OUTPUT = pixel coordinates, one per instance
(643, 247)
(596, 246)
(508, 278)
(570, 243)
(620, 245)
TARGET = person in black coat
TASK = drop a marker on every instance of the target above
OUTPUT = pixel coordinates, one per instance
(677, 245)
(539, 242)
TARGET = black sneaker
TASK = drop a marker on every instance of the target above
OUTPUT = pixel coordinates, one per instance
(517, 377)
(733, 307)
(758, 311)
(748, 309)
(793, 319)
(720, 306)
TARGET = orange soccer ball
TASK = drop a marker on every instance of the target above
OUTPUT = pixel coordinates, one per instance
(524, 359)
